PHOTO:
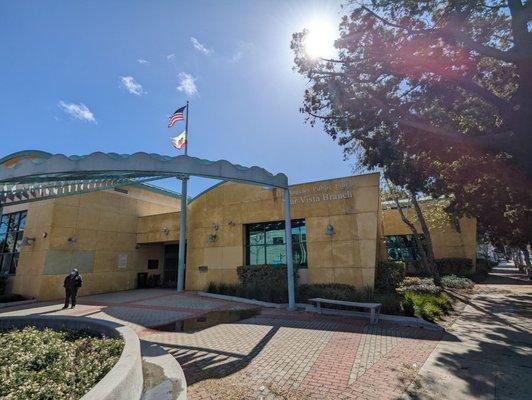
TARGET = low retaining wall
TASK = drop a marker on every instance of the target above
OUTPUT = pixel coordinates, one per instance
(125, 380)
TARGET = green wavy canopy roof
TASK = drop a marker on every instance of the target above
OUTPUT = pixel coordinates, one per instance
(33, 166)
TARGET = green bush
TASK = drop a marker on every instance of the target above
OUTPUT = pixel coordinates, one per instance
(47, 364)
(333, 291)
(229, 289)
(389, 274)
(418, 285)
(430, 307)
(457, 282)
(456, 266)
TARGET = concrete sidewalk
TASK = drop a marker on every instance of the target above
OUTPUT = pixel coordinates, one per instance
(487, 353)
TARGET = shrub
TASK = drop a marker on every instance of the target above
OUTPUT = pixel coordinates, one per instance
(229, 289)
(456, 266)
(389, 274)
(430, 307)
(48, 364)
(333, 291)
(418, 285)
(457, 282)
(9, 298)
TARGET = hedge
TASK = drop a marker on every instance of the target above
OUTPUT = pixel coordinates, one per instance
(389, 274)
(446, 266)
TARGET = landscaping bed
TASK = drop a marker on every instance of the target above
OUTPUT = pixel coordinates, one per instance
(49, 364)
(399, 295)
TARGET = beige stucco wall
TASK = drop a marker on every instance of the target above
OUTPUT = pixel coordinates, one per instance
(105, 226)
(348, 256)
(447, 242)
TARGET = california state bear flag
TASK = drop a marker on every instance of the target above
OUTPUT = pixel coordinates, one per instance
(179, 142)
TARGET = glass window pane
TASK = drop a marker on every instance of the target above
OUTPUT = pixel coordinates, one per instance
(299, 251)
(275, 254)
(6, 263)
(256, 255)
(10, 242)
(255, 234)
(13, 222)
(275, 237)
(22, 221)
(14, 263)
(18, 243)
(3, 224)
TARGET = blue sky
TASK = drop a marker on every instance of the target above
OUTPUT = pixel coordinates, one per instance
(70, 75)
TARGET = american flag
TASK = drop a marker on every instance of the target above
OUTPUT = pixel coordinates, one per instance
(176, 116)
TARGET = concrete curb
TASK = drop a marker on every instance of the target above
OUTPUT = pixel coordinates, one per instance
(397, 319)
(163, 376)
(125, 380)
(242, 300)
(17, 303)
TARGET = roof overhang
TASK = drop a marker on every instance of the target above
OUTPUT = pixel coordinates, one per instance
(34, 175)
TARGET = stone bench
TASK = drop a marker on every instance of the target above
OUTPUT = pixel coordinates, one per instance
(373, 307)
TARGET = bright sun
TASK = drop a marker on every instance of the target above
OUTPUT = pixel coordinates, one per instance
(320, 38)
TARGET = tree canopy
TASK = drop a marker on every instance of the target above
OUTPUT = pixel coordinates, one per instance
(439, 95)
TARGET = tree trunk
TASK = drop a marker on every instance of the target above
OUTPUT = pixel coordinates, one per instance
(528, 264)
(424, 264)
(428, 241)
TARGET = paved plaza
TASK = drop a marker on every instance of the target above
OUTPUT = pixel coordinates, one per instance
(279, 354)
(274, 355)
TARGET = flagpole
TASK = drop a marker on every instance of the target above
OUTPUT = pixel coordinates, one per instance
(183, 222)
(186, 132)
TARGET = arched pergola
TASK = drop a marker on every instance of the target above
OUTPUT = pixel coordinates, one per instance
(36, 175)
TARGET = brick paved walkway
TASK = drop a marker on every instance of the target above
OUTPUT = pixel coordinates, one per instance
(275, 355)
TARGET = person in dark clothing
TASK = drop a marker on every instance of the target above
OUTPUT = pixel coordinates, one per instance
(72, 283)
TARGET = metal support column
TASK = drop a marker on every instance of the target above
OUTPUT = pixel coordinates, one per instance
(182, 236)
(289, 249)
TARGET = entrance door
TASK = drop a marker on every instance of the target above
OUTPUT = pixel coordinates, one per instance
(171, 258)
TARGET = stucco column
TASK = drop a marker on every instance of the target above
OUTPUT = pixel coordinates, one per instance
(289, 258)
(182, 236)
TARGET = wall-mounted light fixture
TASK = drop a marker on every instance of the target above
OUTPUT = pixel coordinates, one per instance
(72, 240)
(45, 235)
(212, 238)
(329, 231)
(165, 230)
(215, 227)
(27, 241)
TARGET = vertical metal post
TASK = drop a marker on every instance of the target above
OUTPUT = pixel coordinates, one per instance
(182, 236)
(289, 258)
(183, 222)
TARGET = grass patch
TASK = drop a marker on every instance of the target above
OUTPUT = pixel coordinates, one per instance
(47, 364)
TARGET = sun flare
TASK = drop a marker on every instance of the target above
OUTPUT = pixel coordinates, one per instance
(320, 38)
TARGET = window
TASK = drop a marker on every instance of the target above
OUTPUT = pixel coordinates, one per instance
(265, 243)
(402, 248)
(11, 234)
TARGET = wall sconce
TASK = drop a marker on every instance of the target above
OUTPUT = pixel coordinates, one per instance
(27, 241)
(212, 238)
(72, 240)
(165, 230)
(45, 235)
(215, 227)
(329, 231)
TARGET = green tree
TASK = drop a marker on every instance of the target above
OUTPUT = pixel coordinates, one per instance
(438, 95)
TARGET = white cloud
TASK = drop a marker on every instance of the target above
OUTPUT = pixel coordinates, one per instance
(131, 85)
(170, 57)
(78, 111)
(142, 61)
(240, 51)
(187, 84)
(201, 47)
